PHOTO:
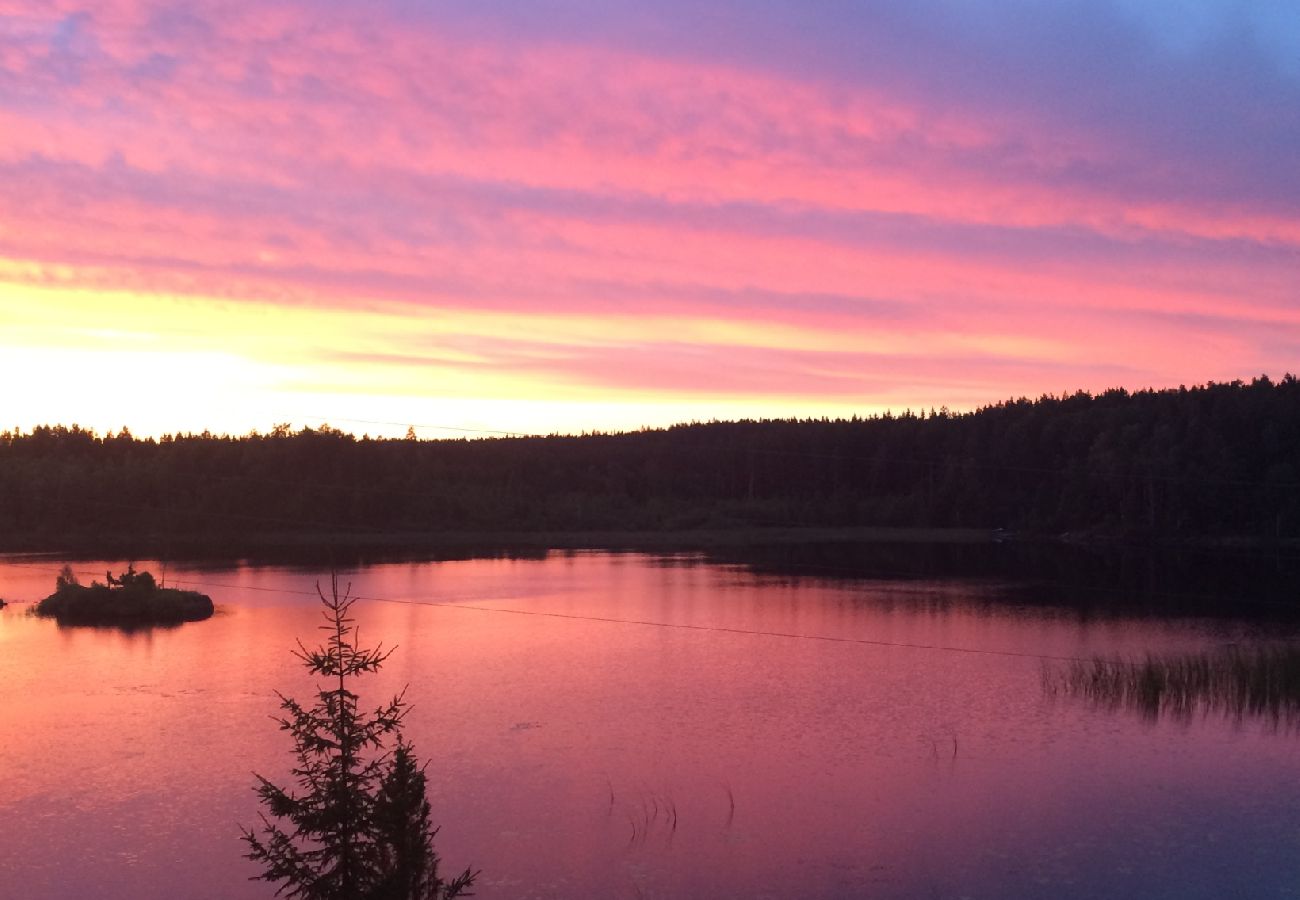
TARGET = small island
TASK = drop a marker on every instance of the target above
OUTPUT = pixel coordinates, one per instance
(133, 598)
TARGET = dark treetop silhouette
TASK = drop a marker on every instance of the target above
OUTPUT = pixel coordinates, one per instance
(1218, 460)
(357, 827)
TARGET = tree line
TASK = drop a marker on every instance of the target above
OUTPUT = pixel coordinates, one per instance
(1213, 460)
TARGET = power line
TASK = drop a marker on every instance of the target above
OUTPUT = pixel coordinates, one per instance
(726, 630)
(720, 629)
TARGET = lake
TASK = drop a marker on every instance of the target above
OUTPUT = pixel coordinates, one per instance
(629, 725)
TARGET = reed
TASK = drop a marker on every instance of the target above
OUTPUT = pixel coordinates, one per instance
(1257, 682)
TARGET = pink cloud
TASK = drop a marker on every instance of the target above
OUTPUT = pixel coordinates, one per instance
(338, 157)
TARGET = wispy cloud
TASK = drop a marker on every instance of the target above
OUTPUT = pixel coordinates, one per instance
(875, 202)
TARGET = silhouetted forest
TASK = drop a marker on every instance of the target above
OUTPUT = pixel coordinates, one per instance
(1217, 460)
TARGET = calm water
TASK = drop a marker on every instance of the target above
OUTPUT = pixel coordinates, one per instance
(565, 725)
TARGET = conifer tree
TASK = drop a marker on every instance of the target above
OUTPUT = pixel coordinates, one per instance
(357, 826)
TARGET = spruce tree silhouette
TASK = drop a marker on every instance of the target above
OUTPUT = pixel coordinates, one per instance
(358, 825)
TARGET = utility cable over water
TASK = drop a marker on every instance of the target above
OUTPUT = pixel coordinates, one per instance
(726, 742)
(1263, 682)
(721, 629)
(717, 629)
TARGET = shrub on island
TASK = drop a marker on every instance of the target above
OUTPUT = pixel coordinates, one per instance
(133, 598)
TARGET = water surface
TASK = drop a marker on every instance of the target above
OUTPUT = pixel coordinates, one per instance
(620, 725)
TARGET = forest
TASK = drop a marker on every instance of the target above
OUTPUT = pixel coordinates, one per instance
(1217, 461)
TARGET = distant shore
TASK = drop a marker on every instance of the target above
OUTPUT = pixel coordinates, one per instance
(1209, 467)
(685, 540)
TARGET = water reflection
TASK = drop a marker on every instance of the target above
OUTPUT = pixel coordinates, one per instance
(787, 734)
(1078, 579)
(126, 629)
(1084, 580)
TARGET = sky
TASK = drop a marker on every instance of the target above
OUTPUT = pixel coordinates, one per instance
(574, 215)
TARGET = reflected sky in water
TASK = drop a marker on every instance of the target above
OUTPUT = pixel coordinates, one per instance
(628, 726)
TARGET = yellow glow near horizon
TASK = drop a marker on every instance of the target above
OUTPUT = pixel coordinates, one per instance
(604, 236)
(164, 363)
(155, 364)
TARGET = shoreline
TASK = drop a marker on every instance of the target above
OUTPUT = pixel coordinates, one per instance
(683, 540)
(678, 540)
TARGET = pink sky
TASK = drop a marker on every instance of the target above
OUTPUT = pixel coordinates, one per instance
(567, 216)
